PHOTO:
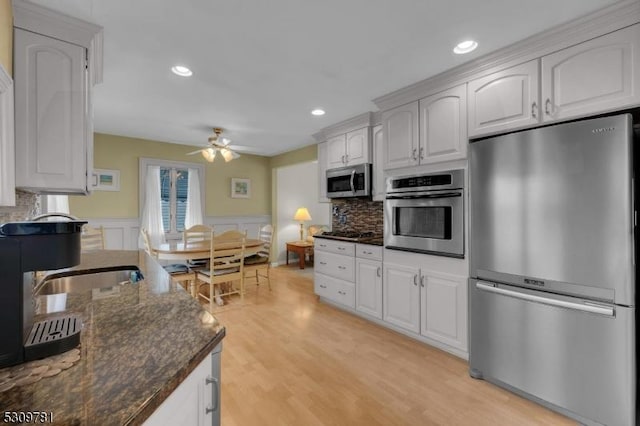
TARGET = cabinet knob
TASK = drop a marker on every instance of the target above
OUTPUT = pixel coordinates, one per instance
(415, 280)
(378, 271)
(421, 280)
(341, 267)
(323, 263)
(421, 153)
(534, 110)
(413, 154)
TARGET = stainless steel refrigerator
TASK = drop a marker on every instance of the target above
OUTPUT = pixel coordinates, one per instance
(552, 290)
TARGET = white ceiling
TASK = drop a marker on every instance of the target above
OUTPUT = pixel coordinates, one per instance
(260, 66)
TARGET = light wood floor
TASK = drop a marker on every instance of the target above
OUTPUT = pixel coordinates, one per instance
(289, 359)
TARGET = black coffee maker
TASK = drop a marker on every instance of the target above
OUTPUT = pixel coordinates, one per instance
(26, 247)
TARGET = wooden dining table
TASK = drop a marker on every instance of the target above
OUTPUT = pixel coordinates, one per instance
(178, 250)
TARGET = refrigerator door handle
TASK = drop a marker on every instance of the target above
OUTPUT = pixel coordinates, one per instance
(592, 308)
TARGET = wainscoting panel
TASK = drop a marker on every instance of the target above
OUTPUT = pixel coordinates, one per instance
(122, 234)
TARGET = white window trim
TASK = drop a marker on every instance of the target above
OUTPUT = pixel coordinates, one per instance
(142, 173)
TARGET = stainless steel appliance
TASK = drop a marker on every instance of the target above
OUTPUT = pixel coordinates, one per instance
(26, 247)
(552, 288)
(425, 213)
(351, 181)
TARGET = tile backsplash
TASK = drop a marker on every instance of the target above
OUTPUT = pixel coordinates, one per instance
(357, 215)
(27, 205)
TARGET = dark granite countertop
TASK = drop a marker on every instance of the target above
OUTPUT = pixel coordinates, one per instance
(136, 347)
(374, 241)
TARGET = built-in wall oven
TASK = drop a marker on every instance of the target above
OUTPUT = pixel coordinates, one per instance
(425, 213)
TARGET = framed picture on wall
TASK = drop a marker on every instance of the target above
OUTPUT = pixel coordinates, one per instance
(106, 180)
(240, 188)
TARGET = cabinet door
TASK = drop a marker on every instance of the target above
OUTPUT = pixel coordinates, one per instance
(504, 100)
(379, 188)
(322, 177)
(336, 151)
(443, 126)
(401, 295)
(443, 303)
(369, 287)
(7, 142)
(186, 404)
(51, 99)
(400, 133)
(599, 75)
(357, 143)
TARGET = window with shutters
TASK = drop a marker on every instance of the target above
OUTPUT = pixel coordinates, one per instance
(174, 184)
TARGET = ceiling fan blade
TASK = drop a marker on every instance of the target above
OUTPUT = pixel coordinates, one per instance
(234, 155)
(196, 152)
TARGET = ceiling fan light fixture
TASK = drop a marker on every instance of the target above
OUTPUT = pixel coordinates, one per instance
(226, 154)
(209, 154)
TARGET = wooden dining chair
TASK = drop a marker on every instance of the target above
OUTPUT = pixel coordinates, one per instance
(258, 265)
(91, 238)
(179, 272)
(197, 234)
(225, 266)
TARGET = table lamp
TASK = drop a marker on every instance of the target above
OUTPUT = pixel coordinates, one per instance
(302, 214)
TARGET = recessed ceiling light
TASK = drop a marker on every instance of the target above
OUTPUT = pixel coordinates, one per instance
(318, 111)
(182, 71)
(465, 47)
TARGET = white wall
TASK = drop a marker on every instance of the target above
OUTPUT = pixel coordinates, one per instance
(297, 186)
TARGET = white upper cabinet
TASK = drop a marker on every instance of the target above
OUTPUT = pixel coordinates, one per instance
(349, 149)
(7, 141)
(56, 61)
(336, 151)
(378, 190)
(400, 134)
(504, 100)
(322, 176)
(51, 114)
(596, 76)
(431, 130)
(443, 126)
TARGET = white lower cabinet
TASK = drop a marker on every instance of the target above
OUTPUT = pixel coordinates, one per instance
(196, 401)
(336, 290)
(369, 287)
(443, 304)
(425, 302)
(401, 295)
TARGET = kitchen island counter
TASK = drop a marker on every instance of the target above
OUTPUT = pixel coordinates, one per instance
(138, 342)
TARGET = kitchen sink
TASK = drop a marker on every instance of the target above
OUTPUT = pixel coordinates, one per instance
(74, 282)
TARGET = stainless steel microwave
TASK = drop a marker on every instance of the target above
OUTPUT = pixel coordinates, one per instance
(425, 213)
(351, 181)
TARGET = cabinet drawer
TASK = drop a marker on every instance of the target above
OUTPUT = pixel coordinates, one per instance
(336, 290)
(367, 251)
(332, 246)
(335, 265)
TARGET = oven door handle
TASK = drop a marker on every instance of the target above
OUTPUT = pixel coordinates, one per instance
(424, 195)
(353, 177)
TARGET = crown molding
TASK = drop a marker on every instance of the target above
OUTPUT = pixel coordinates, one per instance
(601, 22)
(348, 125)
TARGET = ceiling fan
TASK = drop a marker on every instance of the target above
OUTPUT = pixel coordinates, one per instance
(217, 144)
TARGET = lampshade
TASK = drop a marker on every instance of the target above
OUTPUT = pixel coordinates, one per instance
(209, 154)
(302, 214)
(226, 154)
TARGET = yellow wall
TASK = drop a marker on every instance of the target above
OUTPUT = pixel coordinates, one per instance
(123, 153)
(302, 155)
(6, 35)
